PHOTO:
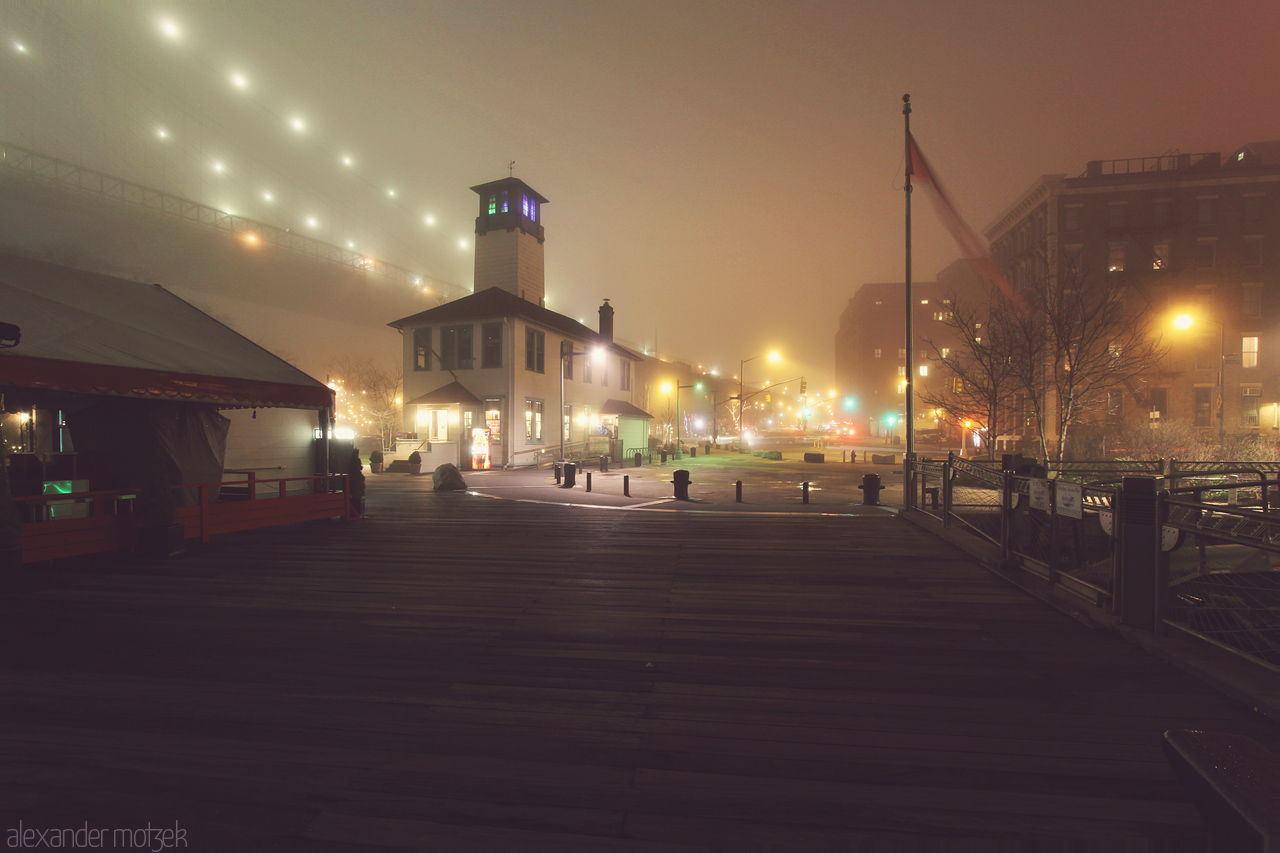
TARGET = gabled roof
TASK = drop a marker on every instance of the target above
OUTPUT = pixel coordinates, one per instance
(454, 392)
(92, 333)
(625, 409)
(494, 302)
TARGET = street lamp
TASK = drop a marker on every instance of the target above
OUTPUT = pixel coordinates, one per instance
(1186, 321)
(773, 356)
(566, 352)
(697, 385)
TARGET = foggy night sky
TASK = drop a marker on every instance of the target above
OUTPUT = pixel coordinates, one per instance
(726, 173)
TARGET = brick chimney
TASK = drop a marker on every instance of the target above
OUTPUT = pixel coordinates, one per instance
(606, 321)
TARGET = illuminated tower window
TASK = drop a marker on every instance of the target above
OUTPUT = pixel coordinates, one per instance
(525, 208)
(493, 204)
(504, 201)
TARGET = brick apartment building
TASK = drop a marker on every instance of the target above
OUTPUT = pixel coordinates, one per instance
(1185, 234)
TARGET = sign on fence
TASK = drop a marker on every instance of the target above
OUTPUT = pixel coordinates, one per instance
(1040, 495)
(1070, 499)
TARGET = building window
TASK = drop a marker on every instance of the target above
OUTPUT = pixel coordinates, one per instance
(1203, 406)
(878, 352)
(1115, 258)
(1251, 252)
(533, 210)
(902, 370)
(942, 316)
(1207, 209)
(1160, 403)
(1206, 254)
(525, 205)
(422, 349)
(1160, 256)
(1252, 208)
(435, 423)
(491, 345)
(945, 352)
(1249, 399)
(1161, 212)
(533, 421)
(535, 345)
(587, 364)
(902, 352)
(493, 418)
(1249, 352)
(468, 421)
(924, 370)
(504, 201)
(1251, 300)
(1116, 214)
(455, 348)
(924, 301)
(493, 204)
(604, 370)
(1071, 218)
(624, 374)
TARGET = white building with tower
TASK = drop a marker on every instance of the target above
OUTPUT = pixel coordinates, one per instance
(485, 374)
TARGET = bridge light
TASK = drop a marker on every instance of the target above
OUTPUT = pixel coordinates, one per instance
(268, 197)
(170, 28)
(311, 222)
(429, 220)
(297, 124)
(346, 161)
(239, 80)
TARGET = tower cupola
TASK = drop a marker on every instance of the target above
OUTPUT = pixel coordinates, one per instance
(509, 237)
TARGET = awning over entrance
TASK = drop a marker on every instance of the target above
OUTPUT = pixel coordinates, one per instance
(624, 409)
(451, 394)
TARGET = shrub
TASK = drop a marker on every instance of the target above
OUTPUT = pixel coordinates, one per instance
(415, 458)
(375, 457)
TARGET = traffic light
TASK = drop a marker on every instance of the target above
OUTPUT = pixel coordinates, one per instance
(803, 386)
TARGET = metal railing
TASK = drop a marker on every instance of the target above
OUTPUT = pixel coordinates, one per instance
(1202, 558)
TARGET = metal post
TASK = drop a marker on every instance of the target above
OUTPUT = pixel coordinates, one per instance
(738, 487)
(1139, 552)
(588, 481)
(947, 475)
(804, 491)
(1222, 385)
(626, 485)
(1006, 511)
(908, 491)
(1054, 547)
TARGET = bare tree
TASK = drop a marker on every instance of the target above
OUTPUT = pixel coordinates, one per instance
(369, 396)
(1086, 342)
(979, 363)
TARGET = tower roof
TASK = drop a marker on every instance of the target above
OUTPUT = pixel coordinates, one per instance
(509, 184)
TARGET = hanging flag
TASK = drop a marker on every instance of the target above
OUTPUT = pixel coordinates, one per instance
(973, 247)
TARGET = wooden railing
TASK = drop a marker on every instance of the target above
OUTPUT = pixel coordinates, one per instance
(109, 523)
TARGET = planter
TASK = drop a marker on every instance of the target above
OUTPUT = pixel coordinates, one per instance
(415, 469)
(163, 541)
(375, 467)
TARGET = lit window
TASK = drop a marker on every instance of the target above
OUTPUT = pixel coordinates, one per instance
(533, 209)
(1160, 256)
(924, 370)
(533, 421)
(1115, 260)
(1249, 352)
(902, 352)
(525, 205)
(1250, 396)
(493, 204)
(436, 423)
(924, 301)
(946, 352)
(878, 352)
(422, 349)
(504, 201)
(902, 370)
(493, 418)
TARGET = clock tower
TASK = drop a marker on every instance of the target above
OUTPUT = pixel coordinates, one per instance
(509, 239)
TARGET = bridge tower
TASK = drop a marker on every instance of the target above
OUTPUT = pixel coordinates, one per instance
(509, 239)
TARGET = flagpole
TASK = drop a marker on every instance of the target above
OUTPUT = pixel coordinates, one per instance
(908, 475)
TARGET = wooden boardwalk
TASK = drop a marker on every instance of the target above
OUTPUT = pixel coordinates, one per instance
(464, 671)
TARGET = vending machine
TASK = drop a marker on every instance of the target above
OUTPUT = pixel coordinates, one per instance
(480, 439)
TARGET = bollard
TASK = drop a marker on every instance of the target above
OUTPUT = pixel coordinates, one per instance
(626, 484)
(681, 483)
(604, 464)
(871, 489)
(570, 475)
(693, 451)
(588, 481)
(707, 449)
(804, 491)
(556, 466)
(663, 456)
(639, 459)
(739, 490)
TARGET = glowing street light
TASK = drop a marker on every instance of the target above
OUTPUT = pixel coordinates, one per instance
(297, 124)
(170, 28)
(774, 357)
(1186, 321)
(239, 80)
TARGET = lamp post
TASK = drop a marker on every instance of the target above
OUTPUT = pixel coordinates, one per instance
(1186, 321)
(742, 364)
(697, 385)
